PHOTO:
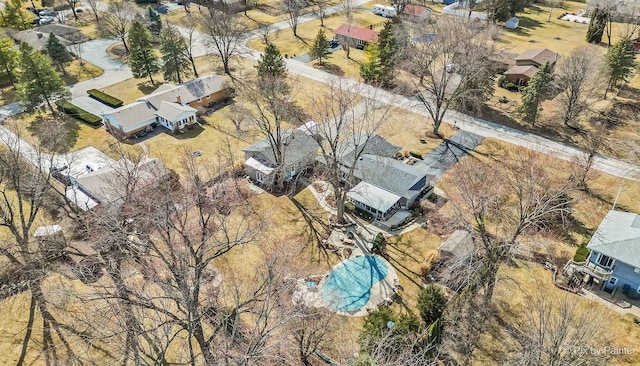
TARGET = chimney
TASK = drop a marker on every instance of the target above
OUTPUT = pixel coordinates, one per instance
(178, 100)
(371, 27)
(39, 34)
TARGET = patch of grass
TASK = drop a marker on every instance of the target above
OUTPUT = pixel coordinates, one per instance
(409, 254)
(524, 279)
(288, 44)
(405, 129)
(77, 72)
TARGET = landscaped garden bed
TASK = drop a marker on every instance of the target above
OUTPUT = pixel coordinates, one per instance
(105, 98)
(79, 113)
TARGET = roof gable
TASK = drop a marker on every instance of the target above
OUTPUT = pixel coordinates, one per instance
(297, 145)
(539, 56)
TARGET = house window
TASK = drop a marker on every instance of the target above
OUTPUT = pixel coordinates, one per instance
(605, 261)
(613, 281)
(259, 177)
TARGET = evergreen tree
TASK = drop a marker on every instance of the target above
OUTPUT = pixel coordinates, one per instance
(370, 70)
(38, 81)
(58, 52)
(388, 47)
(431, 303)
(142, 57)
(599, 19)
(271, 63)
(320, 48)
(8, 60)
(536, 91)
(14, 16)
(175, 55)
(620, 61)
(154, 21)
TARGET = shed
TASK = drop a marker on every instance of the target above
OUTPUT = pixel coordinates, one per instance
(512, 23)
(458, 246)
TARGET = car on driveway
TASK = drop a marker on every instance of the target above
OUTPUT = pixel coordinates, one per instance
(163, 9)
(46, 20)
(333, 43)
(47, 13)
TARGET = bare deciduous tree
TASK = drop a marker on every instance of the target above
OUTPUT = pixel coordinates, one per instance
(527, 194)
(94, 6)
(346, 128)
(577, 79)
(293, 9)
(561, 329)
(349, 14)
(225, 34)
(452, 66)
(118, 18)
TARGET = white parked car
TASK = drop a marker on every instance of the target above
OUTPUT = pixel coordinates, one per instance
(46, 20)
(47, 13)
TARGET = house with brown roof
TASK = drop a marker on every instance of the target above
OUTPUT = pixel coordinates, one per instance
(537, 57)
(416, 13)
(520, 75)
(356, 36)
(36, 39)
(170, 106)
(527, 64)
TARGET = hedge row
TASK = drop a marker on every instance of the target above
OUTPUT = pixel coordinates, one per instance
(79, 113)
(105, 98)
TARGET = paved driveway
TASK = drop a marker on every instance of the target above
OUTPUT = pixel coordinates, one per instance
(449, 152)
(91, 105)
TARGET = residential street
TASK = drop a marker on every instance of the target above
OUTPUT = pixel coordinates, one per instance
(115, 71)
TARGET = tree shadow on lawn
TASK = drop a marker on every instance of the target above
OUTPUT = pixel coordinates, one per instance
(527, 24)
(57, 133)
(316, 229)
(555, 131)
(330, 68)
(146, 87)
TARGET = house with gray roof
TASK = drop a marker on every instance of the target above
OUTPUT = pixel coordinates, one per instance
(615, 251)
(397, 184)
(171, 106)
(299, 152)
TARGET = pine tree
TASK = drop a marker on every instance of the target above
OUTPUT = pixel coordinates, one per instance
(142, 57)
(38, 81)
(14, 16)
(431, 303)
(370, 70)
(388, 47)
(599, 19)
(175, 55)
(320, 48)
(536, 91)
(271, 63)
(620, 61)
(58, 52)
(8, 60)
(153, 18)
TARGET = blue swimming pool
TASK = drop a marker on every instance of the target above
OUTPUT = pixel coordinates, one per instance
(348, 286)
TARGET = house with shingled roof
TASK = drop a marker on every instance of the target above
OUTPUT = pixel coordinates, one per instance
(528, 63)
(615, 250)
(170, 106)
(356, 36)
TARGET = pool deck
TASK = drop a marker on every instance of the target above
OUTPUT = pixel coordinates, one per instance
(382, 292)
